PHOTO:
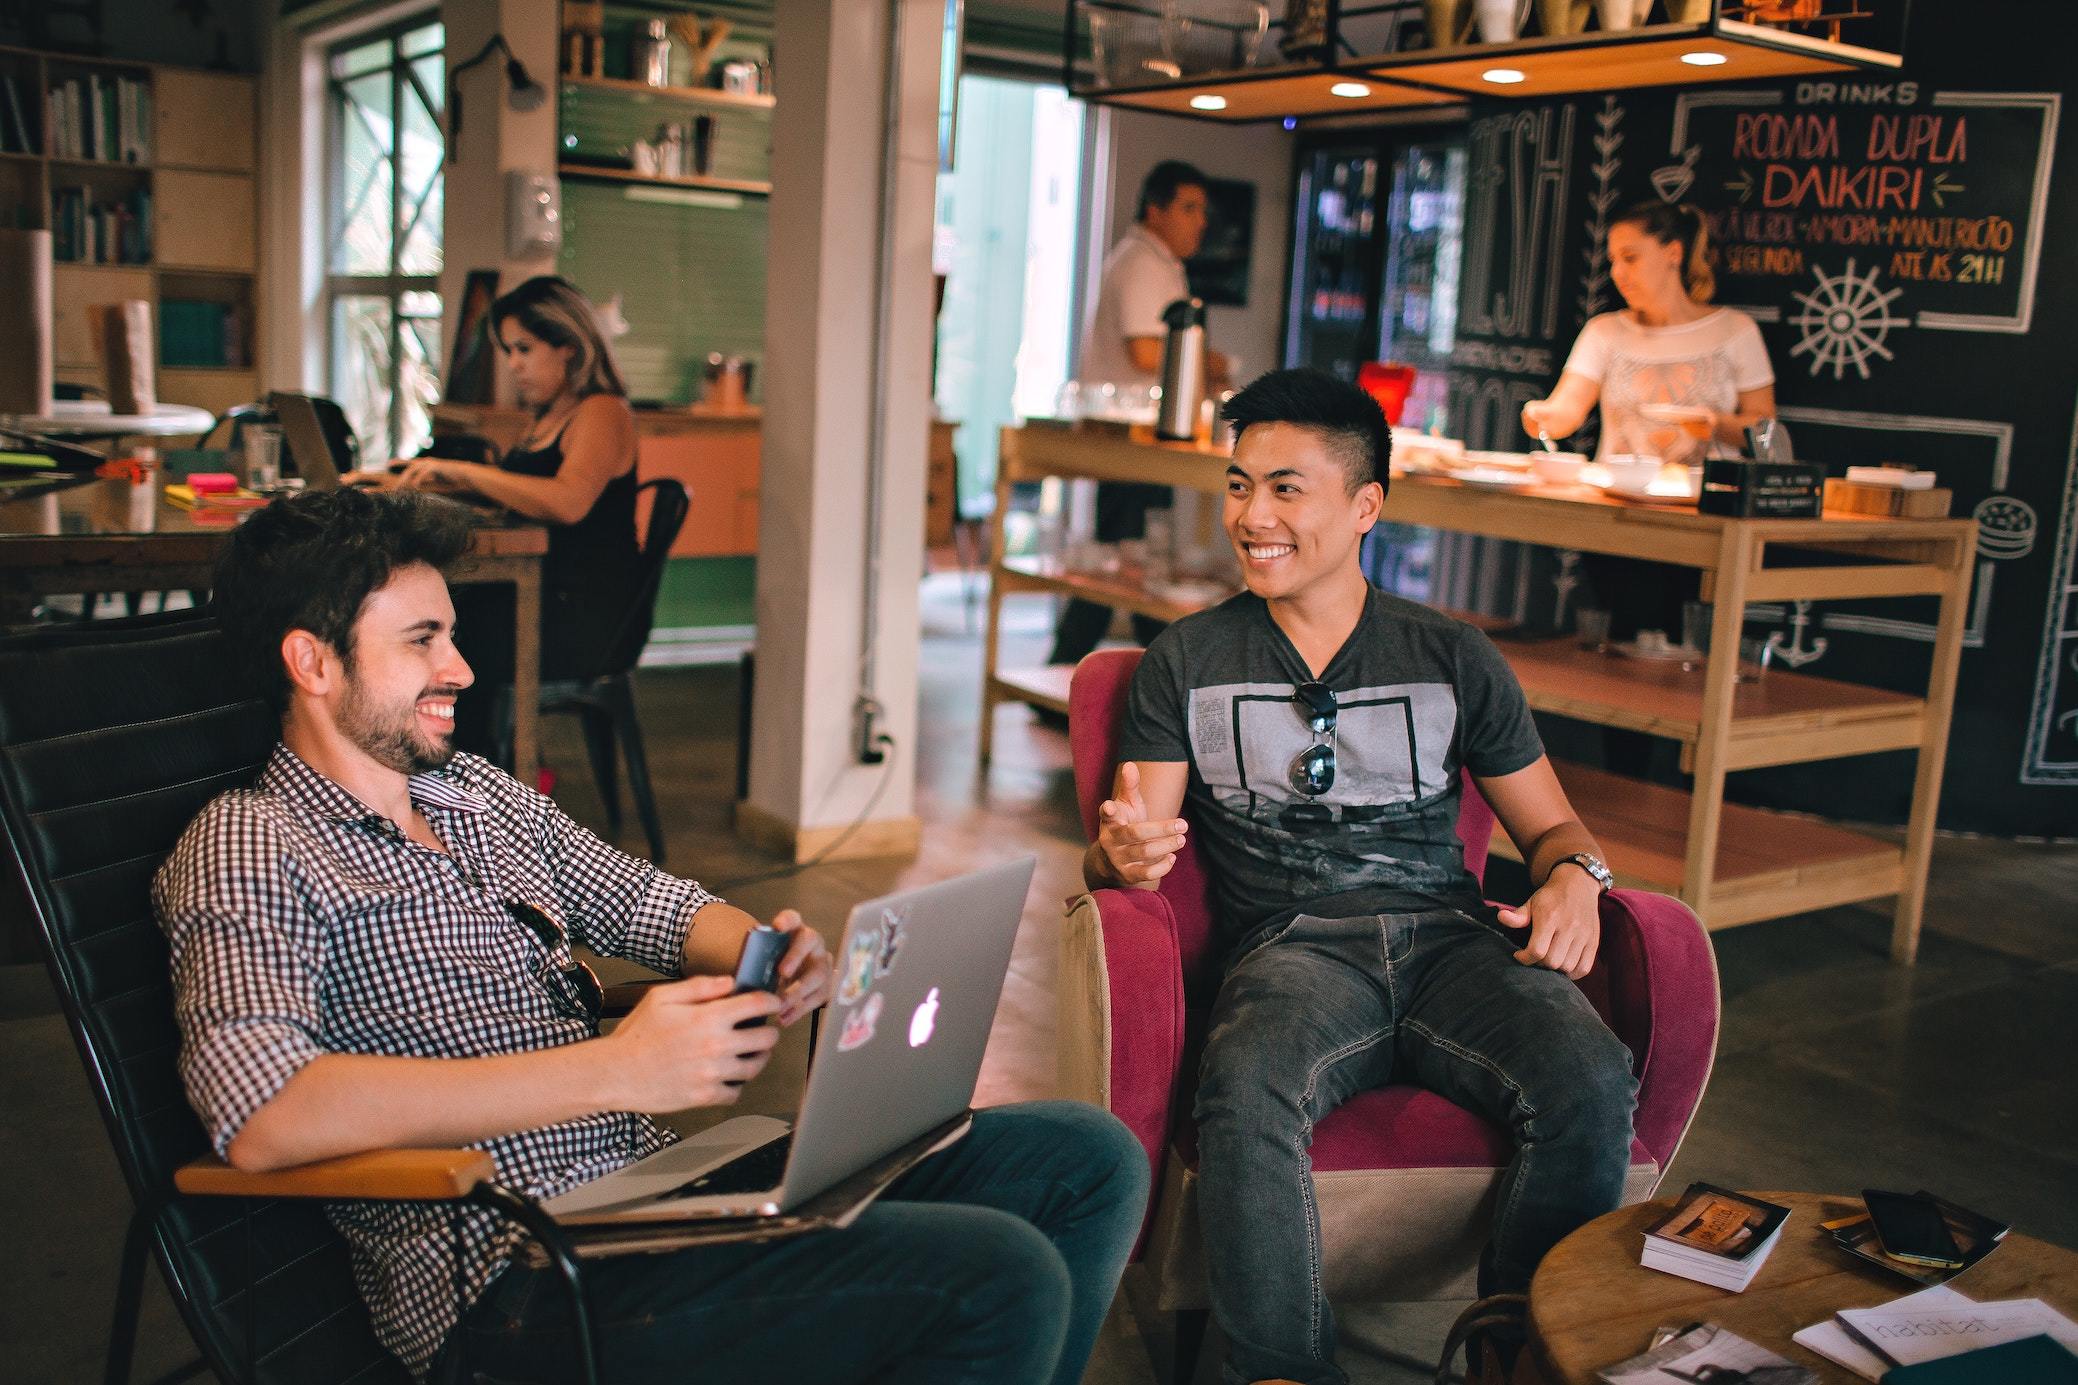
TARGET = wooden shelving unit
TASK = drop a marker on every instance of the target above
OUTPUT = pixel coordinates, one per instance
(748, 187)
(204, 214)
(1731, 864)
(695, 96)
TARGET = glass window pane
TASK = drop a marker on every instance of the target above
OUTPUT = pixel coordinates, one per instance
(362, 235)
(432, 75)
(418, 380)
(430, 38)
(361, 369)
(419, 165)
(365, 57)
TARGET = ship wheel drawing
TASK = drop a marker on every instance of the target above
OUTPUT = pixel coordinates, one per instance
(1844, 321)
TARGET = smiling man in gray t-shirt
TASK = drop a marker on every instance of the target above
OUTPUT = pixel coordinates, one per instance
(1317, 731)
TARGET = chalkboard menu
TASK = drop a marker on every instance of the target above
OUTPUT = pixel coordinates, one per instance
(1898, 239)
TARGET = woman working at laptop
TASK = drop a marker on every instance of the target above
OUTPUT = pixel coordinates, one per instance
(573, 469)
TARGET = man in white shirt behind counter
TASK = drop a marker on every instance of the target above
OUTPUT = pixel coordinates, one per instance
(1122, 347)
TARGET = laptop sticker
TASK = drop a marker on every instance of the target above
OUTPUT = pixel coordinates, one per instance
(891, 924)
(859, 958)
(860, 1023)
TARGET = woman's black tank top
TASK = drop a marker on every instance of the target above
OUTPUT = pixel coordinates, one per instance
(589, 574)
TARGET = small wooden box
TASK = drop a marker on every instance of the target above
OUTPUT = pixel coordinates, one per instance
(1891, 502)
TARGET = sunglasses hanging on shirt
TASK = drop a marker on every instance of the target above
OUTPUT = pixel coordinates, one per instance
(1312, 770)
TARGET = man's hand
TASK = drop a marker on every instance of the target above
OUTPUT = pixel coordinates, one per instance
(1135, 850)
(680, 1047)
(806, 973)
(1565, 922)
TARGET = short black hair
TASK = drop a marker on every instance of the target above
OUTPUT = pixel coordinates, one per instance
(1164, 181)
(310, 561)
(1348, 419)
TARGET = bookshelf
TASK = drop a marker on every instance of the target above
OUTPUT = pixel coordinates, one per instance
(144, 174)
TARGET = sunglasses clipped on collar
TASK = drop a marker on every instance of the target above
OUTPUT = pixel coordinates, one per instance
(576, 987)
(1312, 770)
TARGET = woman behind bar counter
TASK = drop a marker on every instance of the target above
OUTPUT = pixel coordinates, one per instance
(1668, 346)
(573, 468)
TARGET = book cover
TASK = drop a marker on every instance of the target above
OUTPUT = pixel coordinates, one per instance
(1719, 1222)
(2030, 1361)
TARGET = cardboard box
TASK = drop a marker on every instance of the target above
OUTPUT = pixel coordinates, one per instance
(1761, 490)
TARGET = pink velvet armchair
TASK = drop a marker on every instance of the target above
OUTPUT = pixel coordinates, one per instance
(1404, 1179)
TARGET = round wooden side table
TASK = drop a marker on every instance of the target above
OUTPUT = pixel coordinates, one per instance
(1592, 1304)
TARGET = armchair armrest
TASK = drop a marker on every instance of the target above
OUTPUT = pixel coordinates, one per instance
(1659, 981)
(622, 996)
(385, 1174)
(1122, 1011)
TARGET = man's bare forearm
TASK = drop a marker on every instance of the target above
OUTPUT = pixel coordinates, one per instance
(1566, 839)
(714, 942)
(347, 1103)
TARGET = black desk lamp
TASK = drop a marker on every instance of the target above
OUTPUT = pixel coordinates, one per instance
(524, 93)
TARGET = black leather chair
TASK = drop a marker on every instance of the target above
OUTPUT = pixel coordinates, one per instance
(605, 705)
(112, 737)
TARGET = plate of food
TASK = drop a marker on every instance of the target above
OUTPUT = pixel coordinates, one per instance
(1493, 478)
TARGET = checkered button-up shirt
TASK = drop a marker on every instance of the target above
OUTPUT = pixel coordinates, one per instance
(304, 923)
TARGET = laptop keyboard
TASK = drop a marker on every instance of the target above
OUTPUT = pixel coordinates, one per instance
(754, 1171)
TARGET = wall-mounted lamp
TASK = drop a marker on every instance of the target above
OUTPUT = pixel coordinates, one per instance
(523, 93)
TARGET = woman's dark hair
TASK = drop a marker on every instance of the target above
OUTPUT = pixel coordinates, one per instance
(1677, 223)
(552, 309)
(1348, 419)
(1164, 181)
(309, 562)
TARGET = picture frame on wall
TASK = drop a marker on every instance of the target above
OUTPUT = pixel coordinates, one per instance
(1219, 271)
(472, 370)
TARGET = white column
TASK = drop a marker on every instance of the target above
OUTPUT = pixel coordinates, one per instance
(821, 321)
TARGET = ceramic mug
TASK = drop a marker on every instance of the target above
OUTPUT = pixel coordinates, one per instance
(1622, 14)
(1561, 18)
(1500, 21)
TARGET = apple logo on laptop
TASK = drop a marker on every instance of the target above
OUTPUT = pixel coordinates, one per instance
(924, 1020)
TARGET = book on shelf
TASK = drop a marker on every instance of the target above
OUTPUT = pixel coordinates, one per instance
(86, 229)
(1976, 1236)
(1714, 1236)
(15, 135)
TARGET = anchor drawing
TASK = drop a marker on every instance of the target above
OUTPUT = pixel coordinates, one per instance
(1792, 650)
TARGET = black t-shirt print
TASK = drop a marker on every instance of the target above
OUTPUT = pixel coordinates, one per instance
(1420, 696)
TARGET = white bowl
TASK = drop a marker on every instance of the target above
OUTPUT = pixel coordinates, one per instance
(1514, 461)
(1631, 471)
(1557, 468)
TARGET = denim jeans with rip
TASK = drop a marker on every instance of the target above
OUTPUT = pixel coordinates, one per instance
(1327, 1008)
(993, 1261)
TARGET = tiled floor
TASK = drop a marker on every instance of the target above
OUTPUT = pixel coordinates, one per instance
(1835, 1071)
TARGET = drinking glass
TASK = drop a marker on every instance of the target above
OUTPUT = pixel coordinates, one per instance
(1591, 624)
(262, 457)
(1695, 626)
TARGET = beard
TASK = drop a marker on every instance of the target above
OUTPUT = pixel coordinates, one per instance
(391, 735)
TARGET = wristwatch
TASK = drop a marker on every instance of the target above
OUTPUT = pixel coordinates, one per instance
(1592, 865)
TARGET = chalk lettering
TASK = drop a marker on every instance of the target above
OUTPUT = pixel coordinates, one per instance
(1767, 135)
(1930, 139)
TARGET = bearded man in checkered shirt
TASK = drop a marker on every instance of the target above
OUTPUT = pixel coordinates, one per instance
(371, 949)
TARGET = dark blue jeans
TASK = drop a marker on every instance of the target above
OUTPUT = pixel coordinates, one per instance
(1328, 1008)
(993, 1261)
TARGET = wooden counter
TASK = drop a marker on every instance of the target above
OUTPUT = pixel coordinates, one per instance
(1731, 864)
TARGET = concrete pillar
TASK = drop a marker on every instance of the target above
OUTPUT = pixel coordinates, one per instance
(822, 319)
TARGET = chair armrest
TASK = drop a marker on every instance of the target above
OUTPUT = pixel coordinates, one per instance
(1662, 998)
(1122, 1011)
(385, 1174)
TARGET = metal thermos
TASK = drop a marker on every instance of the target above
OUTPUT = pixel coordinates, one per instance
(1183, 370)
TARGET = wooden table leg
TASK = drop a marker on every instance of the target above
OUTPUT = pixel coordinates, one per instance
(1933, 754)
(1736, 556)
(526, 671)
(1006, 466)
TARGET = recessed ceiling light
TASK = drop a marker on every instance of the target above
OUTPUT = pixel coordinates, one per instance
(1703, 57)
(1352, 90)
(1503, 76)
(1208, 103)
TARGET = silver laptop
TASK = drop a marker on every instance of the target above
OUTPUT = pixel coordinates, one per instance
(918, 977)
(318, 461)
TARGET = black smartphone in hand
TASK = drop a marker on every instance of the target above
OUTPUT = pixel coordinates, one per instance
(1912, 1229)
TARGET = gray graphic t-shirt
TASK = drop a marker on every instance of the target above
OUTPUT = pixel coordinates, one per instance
(1419, 696)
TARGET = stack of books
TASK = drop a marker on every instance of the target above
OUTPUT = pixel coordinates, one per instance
(1976, 1236)
(1715, 1236)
